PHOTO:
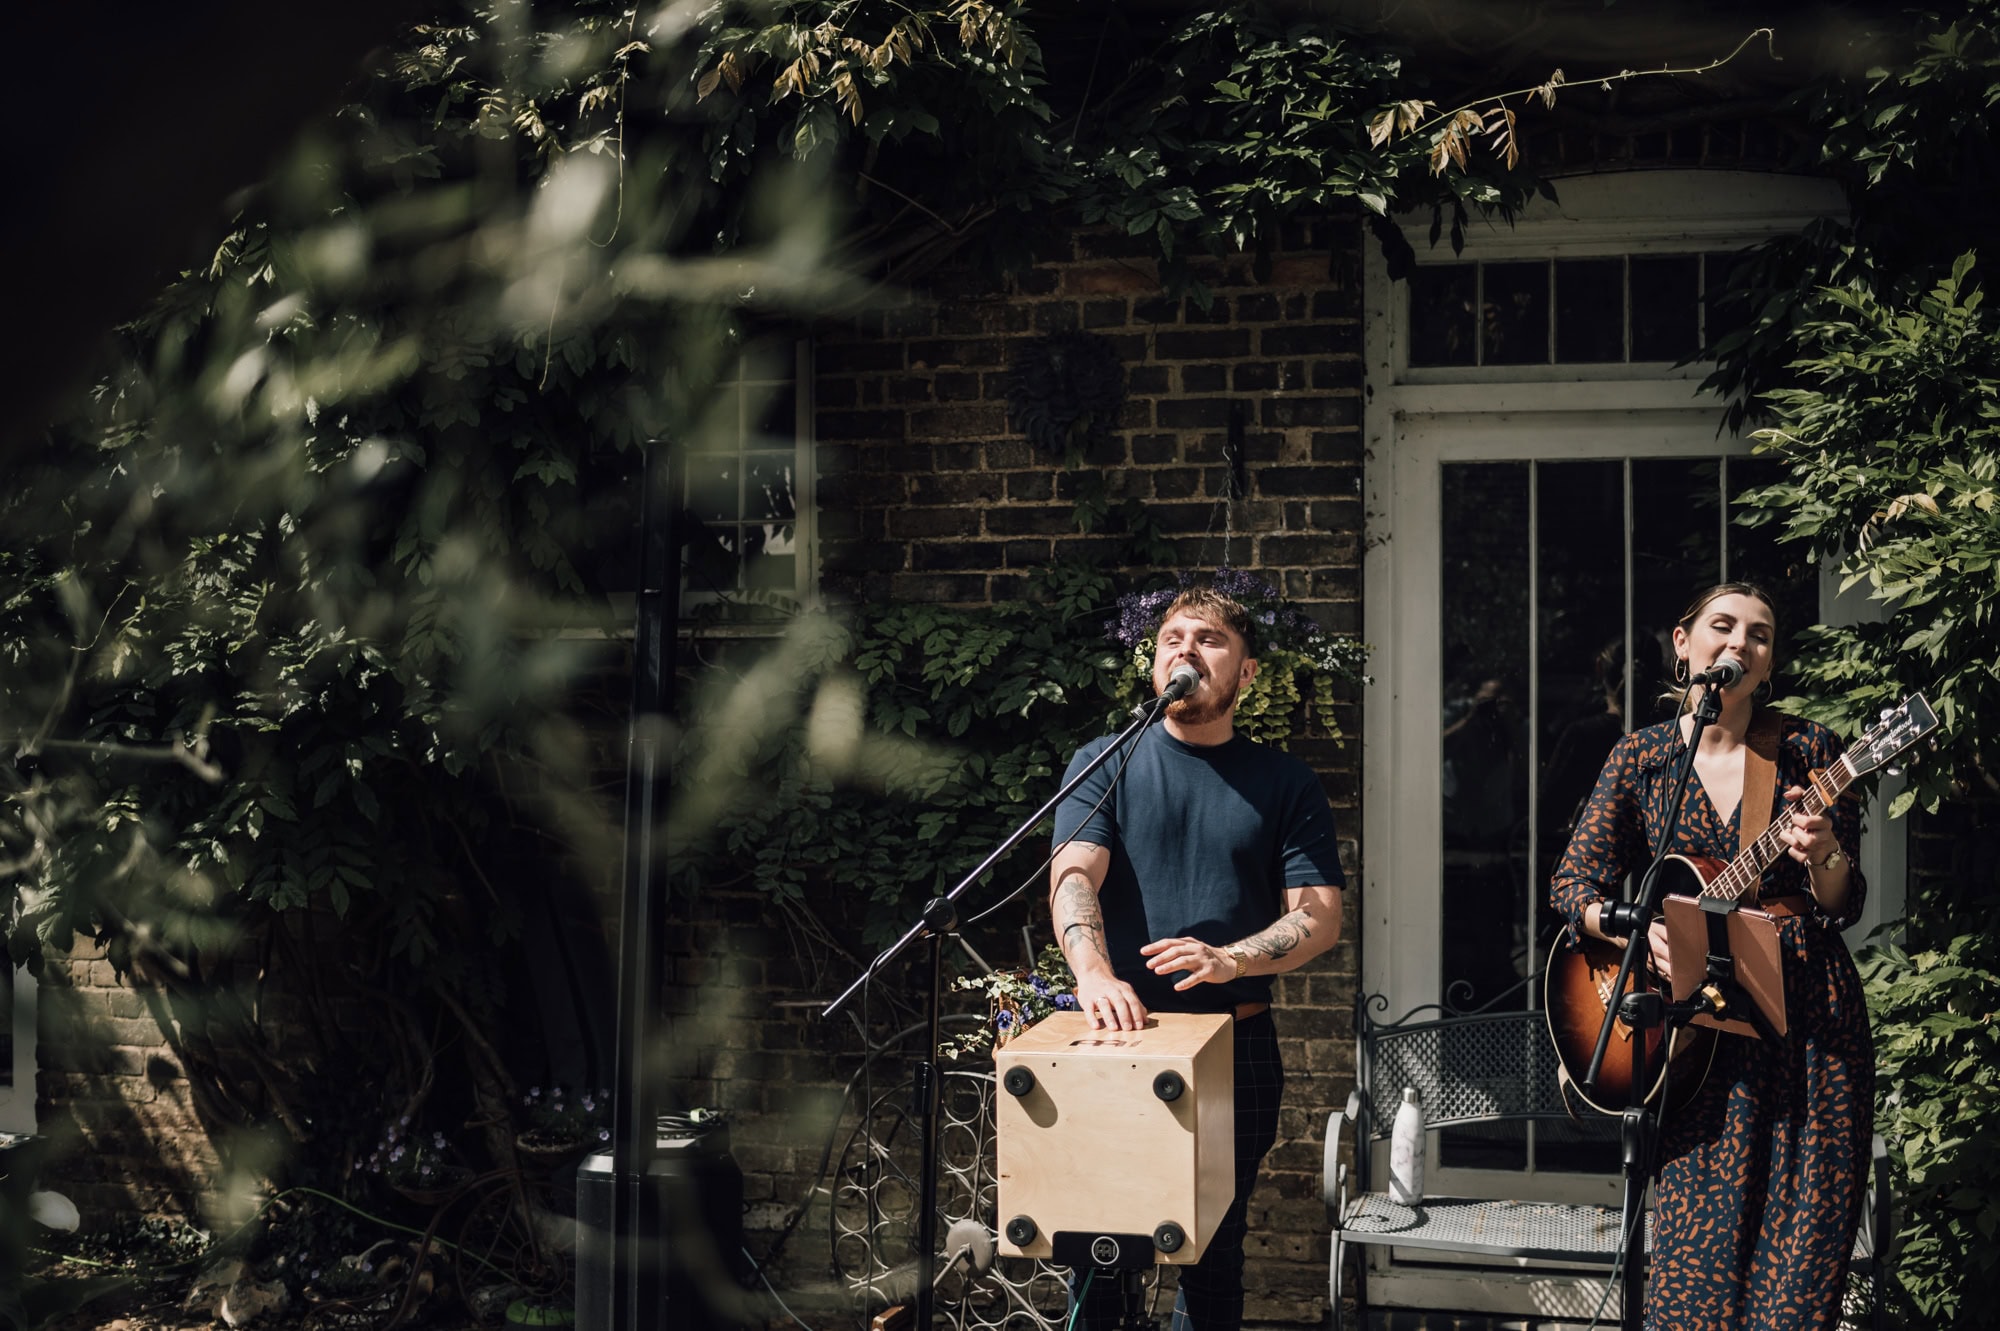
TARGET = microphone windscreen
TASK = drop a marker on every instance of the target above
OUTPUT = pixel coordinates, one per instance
(972, 1239)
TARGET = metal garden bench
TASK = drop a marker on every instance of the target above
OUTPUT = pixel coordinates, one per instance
(1483, 1069)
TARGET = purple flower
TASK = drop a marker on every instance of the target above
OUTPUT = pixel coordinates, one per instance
(1039, 985)
(1065, 1000)
(1003, 1020)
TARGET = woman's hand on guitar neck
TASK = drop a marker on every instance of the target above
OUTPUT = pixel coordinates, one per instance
(1656, 939)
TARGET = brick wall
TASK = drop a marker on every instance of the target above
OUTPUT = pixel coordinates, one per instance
(124, 1134)
(925, 493)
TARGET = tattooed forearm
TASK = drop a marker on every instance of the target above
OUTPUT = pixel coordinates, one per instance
(1079, 920)
(1282, 937)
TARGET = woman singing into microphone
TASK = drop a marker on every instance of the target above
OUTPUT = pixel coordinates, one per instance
(1762, 1174)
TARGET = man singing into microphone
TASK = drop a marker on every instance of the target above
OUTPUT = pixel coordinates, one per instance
(1211, 867)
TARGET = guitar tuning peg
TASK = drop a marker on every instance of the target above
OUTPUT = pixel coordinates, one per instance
(1894, 769)
(1888, 714)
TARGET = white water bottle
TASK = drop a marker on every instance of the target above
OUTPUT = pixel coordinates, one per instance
(1406, 1151)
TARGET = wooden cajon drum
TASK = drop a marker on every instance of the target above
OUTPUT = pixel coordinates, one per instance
(1116, 1148)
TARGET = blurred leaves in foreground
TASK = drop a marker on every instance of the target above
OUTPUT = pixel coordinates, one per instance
(307, 617)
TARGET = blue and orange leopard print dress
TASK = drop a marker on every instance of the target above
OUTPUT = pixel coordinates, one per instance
(1764, 1172)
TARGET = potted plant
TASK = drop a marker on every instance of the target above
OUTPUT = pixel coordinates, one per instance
(560, 1124)
(1015, 1000)
(417, 1166)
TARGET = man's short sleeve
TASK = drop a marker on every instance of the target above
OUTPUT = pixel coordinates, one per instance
(1074, 819)
(1310, 852)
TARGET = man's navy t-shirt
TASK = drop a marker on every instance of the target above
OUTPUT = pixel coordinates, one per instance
(1204, 839)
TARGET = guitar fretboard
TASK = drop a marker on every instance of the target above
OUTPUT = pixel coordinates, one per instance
(1746, 871)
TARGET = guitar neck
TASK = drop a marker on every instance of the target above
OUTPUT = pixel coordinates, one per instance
(1746, 871)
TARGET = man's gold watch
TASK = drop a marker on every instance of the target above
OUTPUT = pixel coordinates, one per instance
(1834, 859)
(1241, 958)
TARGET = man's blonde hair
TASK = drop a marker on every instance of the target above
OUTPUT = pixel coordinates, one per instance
(1211, 605)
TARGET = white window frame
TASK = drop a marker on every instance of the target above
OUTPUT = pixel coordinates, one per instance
(1419, 419)
(805, 486)
(17, 1099)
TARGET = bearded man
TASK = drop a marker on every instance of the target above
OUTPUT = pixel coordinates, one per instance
(1182, 882)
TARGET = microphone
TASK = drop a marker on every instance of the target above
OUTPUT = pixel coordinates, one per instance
(1726, 673)
(1182, 682)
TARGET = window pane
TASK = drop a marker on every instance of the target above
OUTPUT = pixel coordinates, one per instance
(1663, 308)
(712, 562)
(1676, 553)
(712, 489)
(777, 411)
(772, 573)
(1581, 648)
(1590, 310)
(1441, 324)
(1723, 310)
(1580, 698)
(767, 486)
(1516, 313)
(1484, 623)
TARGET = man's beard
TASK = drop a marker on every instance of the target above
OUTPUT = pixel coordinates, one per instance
(1199, 710)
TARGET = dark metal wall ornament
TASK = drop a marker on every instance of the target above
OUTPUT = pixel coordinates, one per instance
(1065, 391)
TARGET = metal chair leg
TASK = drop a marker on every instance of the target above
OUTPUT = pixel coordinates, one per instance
(1334, 1282)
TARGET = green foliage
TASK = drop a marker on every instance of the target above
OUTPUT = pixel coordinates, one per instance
(1939, 1062)
(1892, 450)
(1240, 122)
(1218, 128)
(301, 616)
(1913, 145)
(932, 732)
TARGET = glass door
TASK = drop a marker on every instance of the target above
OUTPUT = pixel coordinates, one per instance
(1559, 584)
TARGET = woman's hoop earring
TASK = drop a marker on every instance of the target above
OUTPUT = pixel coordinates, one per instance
(1762, 693)
(1680, 670)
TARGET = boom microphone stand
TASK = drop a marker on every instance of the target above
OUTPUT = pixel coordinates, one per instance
(938, 919)
(1644, 1013)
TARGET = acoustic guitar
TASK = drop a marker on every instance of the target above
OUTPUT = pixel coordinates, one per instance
(1577, 981)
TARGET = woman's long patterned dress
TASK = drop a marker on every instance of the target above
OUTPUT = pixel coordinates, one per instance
(1764, 1172)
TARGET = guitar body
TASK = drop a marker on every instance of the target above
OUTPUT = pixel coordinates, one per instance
(1577, 983)
(1576, 993)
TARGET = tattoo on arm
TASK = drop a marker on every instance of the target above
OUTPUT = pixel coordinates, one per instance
(1282, 937)
(1075, 909)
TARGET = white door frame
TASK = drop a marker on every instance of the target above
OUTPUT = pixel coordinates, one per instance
(1415, 421)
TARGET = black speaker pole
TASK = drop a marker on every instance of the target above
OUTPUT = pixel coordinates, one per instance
(635, 1240)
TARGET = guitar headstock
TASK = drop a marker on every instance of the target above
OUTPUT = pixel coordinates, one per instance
(1899, 728)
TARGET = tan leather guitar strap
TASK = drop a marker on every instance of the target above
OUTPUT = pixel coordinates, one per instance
(1760, 778)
